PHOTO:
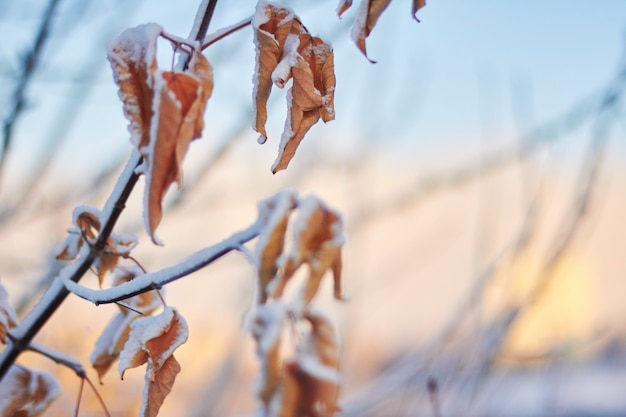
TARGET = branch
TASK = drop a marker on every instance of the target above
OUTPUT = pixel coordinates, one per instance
(156, 280)
(224, 32)
(56, 293)
(29, 65)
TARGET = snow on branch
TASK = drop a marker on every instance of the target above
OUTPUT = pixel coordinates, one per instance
(157, 279)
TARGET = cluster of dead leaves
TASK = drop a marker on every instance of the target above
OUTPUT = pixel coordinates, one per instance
(165, 110)
(136, 337)
(86, 228)
(286, 50)
(367, 17)
(306, 384)
(23, 392)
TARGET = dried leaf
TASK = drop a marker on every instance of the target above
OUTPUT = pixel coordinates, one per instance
(26, 393)
(133, 60)
(417, 4)
(343, 6)
(153, 339)
(286, 50)
(180, 100)
(311, 385)
(367, 17)
(274, 213)
(159, 387)
(318, 241)
(146, 303)
(110, 343)
(8, 317)
(267, 325)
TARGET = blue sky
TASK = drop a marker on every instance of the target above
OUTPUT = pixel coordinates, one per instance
(449, 82)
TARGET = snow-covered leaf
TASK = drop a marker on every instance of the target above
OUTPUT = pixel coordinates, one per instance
(286, 50)
(110, 343)
(274, 213)
(179, 102)
(146, 303)
(266, 326)
(417, 4)
(157, 388)
(311, 381)
(153, 339)
(26, 393)
(367, 17)
(318, 239)
(133, 60)
(8, 317)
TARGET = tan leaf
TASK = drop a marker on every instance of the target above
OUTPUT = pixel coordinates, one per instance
(311, 386)
(417, 4)
(367, 17)
(110, 343)
(318, 241)
(343, 6)
(133, 59)
(311, 96)
(274, 213)
(267, 327)
(181, 98)
(26, 393)
(286, 50)
(8, 317)
(146, 303)
(159, 387)
(272, 24)
(153, 339)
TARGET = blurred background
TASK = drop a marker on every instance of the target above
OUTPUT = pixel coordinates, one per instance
(479, 166)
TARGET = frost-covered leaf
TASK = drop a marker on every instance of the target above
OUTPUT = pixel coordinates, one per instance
(153, 339)
(110, 343)
(367, 16)
(86, 228)
(266, 326)
(318, 239)
(146, 303)
(274, 213)
(157, 388)
(133, 60)
(343, 6)
(179, 102)
(8, 317)
(286, 50)
(311, 381)
(26, 393)
(114, 337)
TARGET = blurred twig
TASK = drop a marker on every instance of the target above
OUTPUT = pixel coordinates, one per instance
(26, 72)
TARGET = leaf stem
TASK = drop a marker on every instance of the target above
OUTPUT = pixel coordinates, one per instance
(222, 33)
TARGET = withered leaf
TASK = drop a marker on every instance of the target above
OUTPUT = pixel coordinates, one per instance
(159, 387)
(343, 6)
(417, 4)
(274, 213)
(286, 50)
(153, 339)
(180, 99)
(110, 343)
(26, 393)
(367, 17)
(114, 337)
(311, 386)
(133, 60)
(86, 229)
(318, 239)
(8, 317)
(267, 326)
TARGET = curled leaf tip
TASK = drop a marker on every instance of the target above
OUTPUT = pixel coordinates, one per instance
(261, 139)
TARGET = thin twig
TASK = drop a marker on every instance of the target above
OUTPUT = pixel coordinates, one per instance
(29, 66)
(222, 33)
(156, 280)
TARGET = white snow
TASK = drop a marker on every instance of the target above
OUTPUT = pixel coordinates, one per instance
(144, 329)
(111, 333)
(266, 326)
(159, 278)
(360, 21)
(287, 131)
(312, 366)
(282, 72)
